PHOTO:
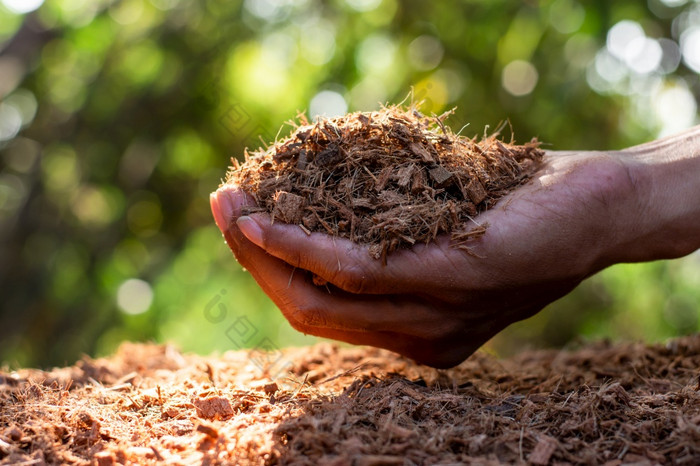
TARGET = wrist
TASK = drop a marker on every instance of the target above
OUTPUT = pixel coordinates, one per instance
(665, 179)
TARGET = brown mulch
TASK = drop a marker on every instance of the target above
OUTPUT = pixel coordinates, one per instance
(389, 179)
(147, 404)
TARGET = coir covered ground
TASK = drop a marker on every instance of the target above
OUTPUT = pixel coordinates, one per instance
(599, 404)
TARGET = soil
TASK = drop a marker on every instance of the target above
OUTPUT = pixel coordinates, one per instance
(146, 404)
(389, 178)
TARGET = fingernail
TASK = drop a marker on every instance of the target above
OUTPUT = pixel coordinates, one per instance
(222, 209)
(251, 230)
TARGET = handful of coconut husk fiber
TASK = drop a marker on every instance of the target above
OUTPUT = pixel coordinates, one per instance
(387, 179)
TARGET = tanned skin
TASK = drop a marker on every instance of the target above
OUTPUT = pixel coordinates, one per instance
(581, 212)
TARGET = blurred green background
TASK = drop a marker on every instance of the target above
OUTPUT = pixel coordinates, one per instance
(117, 119)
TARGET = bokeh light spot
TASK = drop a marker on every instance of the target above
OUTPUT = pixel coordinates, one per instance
(621, 35)
(363, 5)
(671, 56)
(690, 47)
(141, 63)
(93, 207)
(327, 104)
(11, 74)
(519, 77)
(10, 121)
(127, 12)
(375, 54)
(25, 103)
(674, 3)
(21, 155)
(251, 72)
(269, 10)
(280, 48)
(609, 68)
(425, 52)
(77, 13)
(134, 296)
(165, 5)
(643, 55)
(60, 170)
(432, 93)
(186, 152)
(675, 107)
(318, 42)
(22, 6)
(566, 16)
(580, 50)
(67, 92)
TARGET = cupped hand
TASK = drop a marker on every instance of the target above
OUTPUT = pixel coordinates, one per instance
(435, 303)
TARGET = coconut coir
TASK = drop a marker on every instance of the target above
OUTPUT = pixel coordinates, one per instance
(388, 179)
(601, 404)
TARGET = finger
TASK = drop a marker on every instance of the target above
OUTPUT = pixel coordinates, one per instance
(270, 273)
(300, 300)
(287, 243)
(436, 269)
(331, 308)
(422, 268)
(226, 209)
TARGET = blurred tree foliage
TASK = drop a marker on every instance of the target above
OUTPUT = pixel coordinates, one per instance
(119, 117)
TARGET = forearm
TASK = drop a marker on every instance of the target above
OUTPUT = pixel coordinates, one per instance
(666, 179)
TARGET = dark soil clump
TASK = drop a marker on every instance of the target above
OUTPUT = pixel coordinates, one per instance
(389, 179)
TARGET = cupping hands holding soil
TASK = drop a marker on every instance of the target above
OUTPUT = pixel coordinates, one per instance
(437, 304)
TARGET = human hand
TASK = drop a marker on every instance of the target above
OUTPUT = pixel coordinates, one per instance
(434, 303)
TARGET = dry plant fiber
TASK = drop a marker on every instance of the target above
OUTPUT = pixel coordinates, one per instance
(389, 178)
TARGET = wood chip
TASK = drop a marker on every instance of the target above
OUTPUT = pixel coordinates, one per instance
(476, 191)
(441, 177)
(422, 152)
(288, 207)
(213, 407)
(404, 175)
